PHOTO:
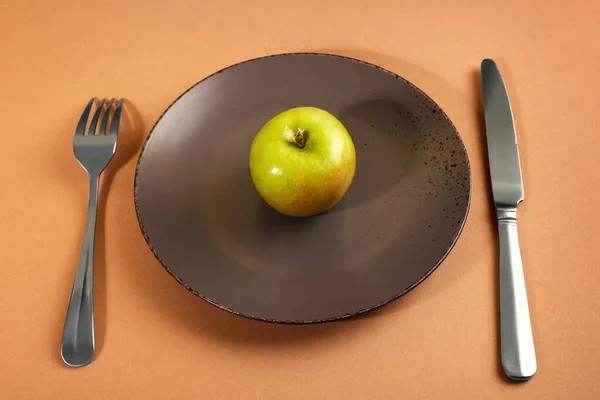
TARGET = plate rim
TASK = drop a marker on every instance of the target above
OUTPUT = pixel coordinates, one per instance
(300, 321)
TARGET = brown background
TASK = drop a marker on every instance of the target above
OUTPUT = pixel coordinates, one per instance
(157, 341)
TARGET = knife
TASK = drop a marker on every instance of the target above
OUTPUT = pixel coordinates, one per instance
(516, 338)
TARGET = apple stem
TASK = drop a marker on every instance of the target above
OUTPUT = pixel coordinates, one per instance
(299, 138)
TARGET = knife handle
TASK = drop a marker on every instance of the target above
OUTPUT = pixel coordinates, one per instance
(516, 338)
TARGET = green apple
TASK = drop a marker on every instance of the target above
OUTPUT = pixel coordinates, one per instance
(302, 161)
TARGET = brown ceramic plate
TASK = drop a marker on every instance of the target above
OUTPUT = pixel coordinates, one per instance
(209, 228)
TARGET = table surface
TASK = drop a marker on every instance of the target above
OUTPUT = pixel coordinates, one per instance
(157, 341)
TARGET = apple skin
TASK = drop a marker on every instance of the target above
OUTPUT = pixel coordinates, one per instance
(302, 182)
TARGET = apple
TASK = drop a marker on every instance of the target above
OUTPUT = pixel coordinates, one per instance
(302, 161)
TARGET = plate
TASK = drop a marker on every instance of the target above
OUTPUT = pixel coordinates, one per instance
(210, 229)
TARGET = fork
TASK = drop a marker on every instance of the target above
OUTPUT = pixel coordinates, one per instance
(93, 151)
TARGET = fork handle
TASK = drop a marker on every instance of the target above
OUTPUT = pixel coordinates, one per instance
(516, 338)
(78, 343)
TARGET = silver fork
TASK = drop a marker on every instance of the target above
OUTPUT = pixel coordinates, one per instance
(93, 151)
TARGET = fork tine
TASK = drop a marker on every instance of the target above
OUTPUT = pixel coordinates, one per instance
(114, 124)
(102, 130)
(104, 123)
(94, 124)
(80, 130)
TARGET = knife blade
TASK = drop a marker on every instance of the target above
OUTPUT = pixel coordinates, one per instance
(516, 338)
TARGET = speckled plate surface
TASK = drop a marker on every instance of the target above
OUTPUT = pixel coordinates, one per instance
(208, 227)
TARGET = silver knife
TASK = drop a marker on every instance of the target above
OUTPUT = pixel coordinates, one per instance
(516, 338)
